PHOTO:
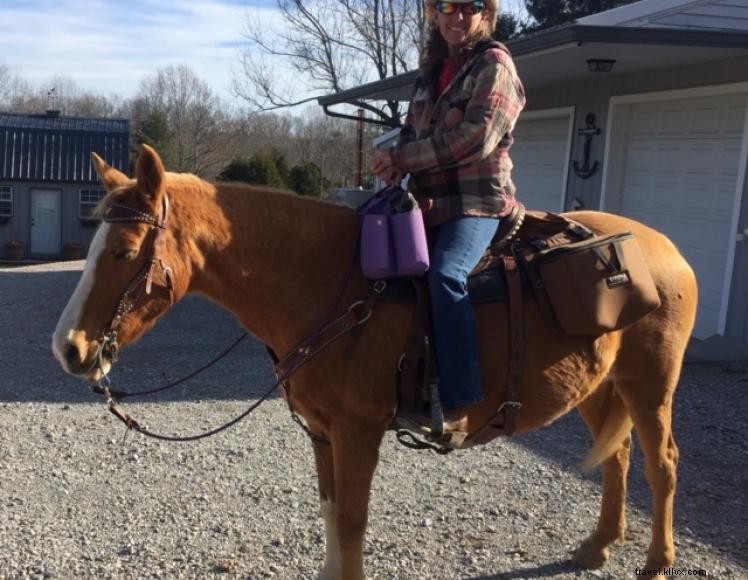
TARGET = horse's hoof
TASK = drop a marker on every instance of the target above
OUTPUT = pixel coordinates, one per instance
(659, 563)
(590, 555)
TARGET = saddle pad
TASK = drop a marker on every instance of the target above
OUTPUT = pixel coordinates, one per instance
(486, 286)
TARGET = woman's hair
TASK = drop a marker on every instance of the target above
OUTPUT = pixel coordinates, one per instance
(436, 50)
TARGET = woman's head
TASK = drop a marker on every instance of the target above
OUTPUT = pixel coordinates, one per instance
(462, 23)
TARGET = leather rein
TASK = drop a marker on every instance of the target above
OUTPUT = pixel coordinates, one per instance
(327, 331)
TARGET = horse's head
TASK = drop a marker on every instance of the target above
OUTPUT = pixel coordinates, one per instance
(127, 282)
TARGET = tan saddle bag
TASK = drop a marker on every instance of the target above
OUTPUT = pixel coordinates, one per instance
(596, 285)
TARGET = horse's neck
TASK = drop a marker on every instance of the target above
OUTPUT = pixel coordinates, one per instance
(277, 261)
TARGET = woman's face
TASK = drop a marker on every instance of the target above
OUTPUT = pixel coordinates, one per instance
(457, 28)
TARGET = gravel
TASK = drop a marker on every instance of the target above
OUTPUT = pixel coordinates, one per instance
(80, 498)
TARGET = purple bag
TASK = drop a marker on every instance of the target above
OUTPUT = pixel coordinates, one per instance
(393, 243)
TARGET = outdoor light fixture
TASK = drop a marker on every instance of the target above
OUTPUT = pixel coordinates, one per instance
(603, 65)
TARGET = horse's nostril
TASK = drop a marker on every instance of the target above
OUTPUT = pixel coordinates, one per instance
(71, 354)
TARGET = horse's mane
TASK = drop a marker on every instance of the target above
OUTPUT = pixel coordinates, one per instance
(311, 204)
(188, 182)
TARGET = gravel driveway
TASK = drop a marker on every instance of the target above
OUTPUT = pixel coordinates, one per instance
(79, 499)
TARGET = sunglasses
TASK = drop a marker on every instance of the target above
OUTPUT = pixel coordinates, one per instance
(468, 8)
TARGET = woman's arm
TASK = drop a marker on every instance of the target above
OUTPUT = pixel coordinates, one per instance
(491, 112)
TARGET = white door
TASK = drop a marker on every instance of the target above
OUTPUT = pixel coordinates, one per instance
(681, 164)
(45, 221)
(541, 158)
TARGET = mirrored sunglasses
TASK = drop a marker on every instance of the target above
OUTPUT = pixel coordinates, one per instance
(467, 8)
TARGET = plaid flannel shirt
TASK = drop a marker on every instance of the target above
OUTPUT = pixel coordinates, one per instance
(456, 145)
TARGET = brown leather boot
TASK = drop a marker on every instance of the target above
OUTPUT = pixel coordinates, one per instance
(454, 427)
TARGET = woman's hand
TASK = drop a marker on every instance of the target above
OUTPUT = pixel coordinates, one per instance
(383, 166)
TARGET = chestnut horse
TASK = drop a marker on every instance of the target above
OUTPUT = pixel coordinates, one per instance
(278, 261)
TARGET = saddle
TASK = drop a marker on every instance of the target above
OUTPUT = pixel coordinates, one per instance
(582, 284)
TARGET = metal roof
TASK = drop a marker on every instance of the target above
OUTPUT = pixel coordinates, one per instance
(696, 14)
(52, 123)
(51, 148)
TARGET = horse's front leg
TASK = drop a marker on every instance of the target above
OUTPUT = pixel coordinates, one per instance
(345, 471)
(326, 480)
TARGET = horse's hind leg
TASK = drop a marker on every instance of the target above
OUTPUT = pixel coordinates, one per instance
(605, 415)
(650, 404)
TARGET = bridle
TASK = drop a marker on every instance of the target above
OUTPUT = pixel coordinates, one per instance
(142, 282)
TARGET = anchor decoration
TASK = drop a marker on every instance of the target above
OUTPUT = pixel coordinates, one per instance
(585, 171)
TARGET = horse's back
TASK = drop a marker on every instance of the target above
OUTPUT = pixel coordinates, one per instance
(662, 255)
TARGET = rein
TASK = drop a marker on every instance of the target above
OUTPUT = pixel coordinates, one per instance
(324, 334)
(356, 315)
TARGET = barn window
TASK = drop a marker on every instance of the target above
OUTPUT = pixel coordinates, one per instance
(6, 201)
(88, 200)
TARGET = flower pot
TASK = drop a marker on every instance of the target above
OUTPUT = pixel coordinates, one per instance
(15, 250)
(72, 251)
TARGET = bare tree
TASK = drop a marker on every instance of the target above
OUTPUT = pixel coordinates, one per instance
(327, 142)
(68, 98)
(198, 137)
(332, 45)
(5, 80)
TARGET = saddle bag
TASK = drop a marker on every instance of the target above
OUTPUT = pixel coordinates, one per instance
(598, 284)
(393, 236)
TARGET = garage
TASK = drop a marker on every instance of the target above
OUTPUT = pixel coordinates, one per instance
(681, 171)
(541, 158)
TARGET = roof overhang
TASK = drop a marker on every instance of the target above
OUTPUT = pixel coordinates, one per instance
(560, 55)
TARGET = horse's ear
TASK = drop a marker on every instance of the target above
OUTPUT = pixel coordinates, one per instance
(109, 176)
(150, 173)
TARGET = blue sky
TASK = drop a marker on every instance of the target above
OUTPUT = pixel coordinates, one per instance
(109, 46)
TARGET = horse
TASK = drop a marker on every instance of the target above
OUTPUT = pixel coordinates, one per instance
(278, 261)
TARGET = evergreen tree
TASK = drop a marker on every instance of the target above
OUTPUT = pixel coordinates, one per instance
(260, 169)
(152, 128)
(307, 179)
(280, 164)
(507, 27)
(237, 170)
(549, 13)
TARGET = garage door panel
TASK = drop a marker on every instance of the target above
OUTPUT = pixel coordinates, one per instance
(539, 154)
(679, 175)
(643, 122)
(731, 123)
(729, 158)
(673, 122)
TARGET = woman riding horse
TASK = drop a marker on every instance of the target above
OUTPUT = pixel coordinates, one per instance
(455, 145)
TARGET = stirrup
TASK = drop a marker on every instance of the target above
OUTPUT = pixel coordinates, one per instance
(431, 427)
(451, 439)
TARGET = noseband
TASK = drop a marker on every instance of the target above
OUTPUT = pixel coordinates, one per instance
(142, 282)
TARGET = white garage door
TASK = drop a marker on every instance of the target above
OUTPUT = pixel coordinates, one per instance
(541, 156)
(681, 165)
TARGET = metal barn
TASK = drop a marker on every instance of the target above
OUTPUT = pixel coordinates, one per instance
(48, 186)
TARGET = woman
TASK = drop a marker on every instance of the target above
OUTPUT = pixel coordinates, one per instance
(455, 143)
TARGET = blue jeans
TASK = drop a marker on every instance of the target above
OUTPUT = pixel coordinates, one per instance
(456, 248)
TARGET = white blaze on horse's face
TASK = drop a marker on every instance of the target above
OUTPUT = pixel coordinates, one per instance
(70, 342)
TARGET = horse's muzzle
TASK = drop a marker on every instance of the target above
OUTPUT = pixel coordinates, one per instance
(80, 358)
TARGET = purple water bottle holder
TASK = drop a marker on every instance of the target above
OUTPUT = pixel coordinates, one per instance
(393, 244)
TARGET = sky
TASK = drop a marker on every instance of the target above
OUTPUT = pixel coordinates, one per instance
(108, 46)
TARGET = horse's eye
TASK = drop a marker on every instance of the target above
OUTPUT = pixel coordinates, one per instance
(126, 254)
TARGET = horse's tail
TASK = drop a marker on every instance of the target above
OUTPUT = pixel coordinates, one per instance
(617, 425)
